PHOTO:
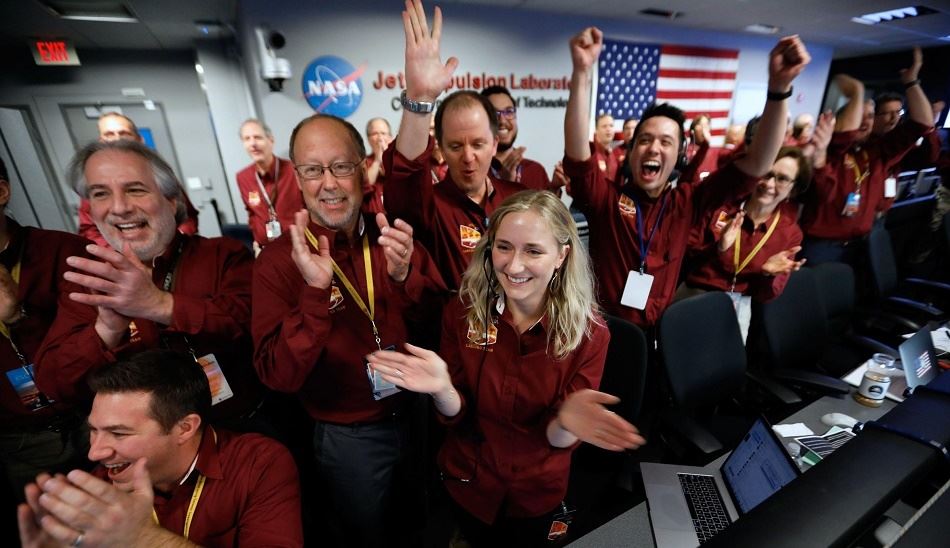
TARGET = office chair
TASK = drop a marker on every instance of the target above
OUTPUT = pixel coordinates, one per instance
(239, 232)
(705, 364)
(601, 479)
(836, 289)
(915, 299)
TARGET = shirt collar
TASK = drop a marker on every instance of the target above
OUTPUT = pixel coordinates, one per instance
(170, 251)
(208, 461)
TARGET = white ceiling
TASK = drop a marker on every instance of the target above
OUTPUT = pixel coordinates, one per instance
(169, 24)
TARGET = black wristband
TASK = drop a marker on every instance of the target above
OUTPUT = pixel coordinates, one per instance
(779, 96)
(912, 83)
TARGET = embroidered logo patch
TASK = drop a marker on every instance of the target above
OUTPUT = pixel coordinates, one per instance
(627, 207)
(469, 236)
(253, 198)
(336, 296)
(722, 220)
(476, 337)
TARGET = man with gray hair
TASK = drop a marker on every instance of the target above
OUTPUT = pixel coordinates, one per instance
(154, 288)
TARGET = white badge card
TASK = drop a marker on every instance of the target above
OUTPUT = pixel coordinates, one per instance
(273, 229)
(637, 290)
(381, 387)
(890, 187)
(220, 389)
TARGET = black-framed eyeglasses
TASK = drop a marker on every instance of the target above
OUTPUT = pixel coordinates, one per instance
(780, 179)
(316, 171)
(508, 113)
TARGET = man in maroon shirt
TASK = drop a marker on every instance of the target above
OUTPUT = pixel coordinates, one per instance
(112, 127)
(639, 232)
(267, 186)
(509, 162)
(450, 217)
(165, 477)
(854, 187)
(339, 286)
(155, 288)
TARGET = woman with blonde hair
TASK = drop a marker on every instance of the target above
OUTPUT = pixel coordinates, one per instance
(523, 350)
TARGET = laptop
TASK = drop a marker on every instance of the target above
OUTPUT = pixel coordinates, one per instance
(689, 504)
(918, 360)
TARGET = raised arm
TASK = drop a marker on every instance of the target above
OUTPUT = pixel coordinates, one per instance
(918, 106)
(426, 76)
(585, 49)
(849, 119)
(786, 61)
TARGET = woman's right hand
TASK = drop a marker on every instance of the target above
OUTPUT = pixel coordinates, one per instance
(420, 370)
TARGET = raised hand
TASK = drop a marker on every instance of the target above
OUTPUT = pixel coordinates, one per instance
(420, 370)
(316, 268)
(911, 73)
(817, 148)
(583, 414)
(786, 61)
(585, 48)
(397, 246)
(731, 232)
(783, 262)
(426, 75)
(559, 178)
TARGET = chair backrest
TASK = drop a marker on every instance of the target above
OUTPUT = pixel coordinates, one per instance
(702, 350)
(882, 262)
(239, 232)
(795, 325)
(626, 367)
(836, 287)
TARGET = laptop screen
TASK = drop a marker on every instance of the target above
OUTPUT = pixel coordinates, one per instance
(917, 358)
(758, 467)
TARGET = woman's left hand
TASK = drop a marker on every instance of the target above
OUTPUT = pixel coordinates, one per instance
(583, 414)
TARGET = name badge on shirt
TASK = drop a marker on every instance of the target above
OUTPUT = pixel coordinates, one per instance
(637, 290)
(851, 205)
(273, 229)
(890, 187)
(381, 387)
(30, 396)
(220, 389)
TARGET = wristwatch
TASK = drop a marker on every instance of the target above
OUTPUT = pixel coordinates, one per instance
(419, 107)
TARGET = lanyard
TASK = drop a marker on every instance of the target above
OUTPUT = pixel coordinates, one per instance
(173, 265)
(195, 496)
(645, 248)
(755, 250)
(858, 176)
(369, 311)
(260, 184)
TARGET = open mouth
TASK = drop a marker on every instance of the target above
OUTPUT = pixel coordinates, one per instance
(650, 168)
(117, 468)
(126, 227)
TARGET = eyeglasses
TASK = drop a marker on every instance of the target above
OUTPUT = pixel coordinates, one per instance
(783, 180)
(508, 113)
(316, 171)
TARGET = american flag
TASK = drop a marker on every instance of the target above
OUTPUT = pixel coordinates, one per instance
(631, 76)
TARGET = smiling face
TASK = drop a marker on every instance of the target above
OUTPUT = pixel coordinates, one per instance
(886, 117)
(114, 128)
(777, 185)
(378, 134)
(867, 121)
(507, 125)
(127, 205)
(654, 154)
(525, 256)
(257, 143)
(628, 128)
(468, 146)
(333, 202)
(122, 430)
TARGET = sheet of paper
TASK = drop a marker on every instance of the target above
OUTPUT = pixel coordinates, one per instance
(792, 430)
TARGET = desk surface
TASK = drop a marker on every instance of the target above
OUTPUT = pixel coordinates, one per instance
(632, 528)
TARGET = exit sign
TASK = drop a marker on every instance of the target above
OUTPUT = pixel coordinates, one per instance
(54, 52)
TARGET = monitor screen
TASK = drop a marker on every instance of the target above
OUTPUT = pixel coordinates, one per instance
(758, 467)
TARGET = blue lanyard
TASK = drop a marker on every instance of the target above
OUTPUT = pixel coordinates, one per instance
(645, 248)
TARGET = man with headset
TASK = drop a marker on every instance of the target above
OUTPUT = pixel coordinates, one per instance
(639, 229)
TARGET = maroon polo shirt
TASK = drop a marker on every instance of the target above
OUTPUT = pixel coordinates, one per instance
(280, 183)
(313, 342)
(251, 495)
(614, 245)
(443, 217)
(702, 159)
(529, 173)
(498, 440)
(211, 283)
(713, 269)
(42, 257)
(605, 161)
(831, 185)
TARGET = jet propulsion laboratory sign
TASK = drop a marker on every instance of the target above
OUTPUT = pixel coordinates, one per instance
(333, 86)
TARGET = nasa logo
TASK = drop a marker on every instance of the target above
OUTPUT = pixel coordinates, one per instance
(332, 86)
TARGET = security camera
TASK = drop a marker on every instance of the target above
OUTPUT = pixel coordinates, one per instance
(274, 70)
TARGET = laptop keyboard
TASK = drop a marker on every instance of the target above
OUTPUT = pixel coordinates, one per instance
(705, 505)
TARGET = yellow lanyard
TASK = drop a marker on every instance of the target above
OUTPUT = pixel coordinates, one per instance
(195, 495)
(858, 176)
(370, 311)
(15, 274)
(755, 250)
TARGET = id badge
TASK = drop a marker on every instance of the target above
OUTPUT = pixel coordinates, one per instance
(890, 187)
(273, 229)
(220, 389)
(30, 396)
(381, 387)
(851, 205)
(637, 290)
(560, 522)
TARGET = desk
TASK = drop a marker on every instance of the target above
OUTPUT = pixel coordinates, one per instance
(632, 528)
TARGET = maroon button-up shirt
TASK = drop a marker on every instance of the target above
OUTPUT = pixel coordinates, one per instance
(283, 192)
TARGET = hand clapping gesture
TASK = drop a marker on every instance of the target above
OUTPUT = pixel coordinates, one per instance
(397, 246)
(316, 268)
(583, 414)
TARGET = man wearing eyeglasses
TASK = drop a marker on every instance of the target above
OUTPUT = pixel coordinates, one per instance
(339, 286)
(510, 163)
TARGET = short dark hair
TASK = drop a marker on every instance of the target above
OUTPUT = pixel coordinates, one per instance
(887, 97)
(351, 132)
(498, 90)
(177, 384)
(665, 110)
(465, 98)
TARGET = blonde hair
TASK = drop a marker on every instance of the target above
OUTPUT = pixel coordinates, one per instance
(570, 304)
